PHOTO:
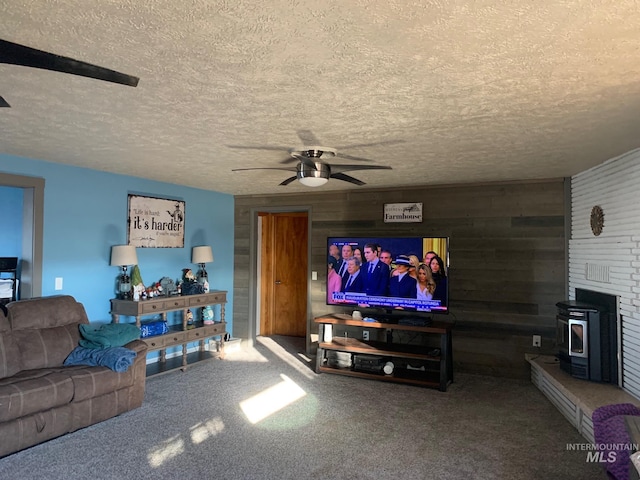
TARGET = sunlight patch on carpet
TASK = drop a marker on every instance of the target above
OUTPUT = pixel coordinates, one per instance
(248, 354)
(304, 357)
(167, 450)
(204, 430)
(285, 356)
(271, 400)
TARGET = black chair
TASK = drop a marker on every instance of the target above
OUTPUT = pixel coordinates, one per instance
(8, 271)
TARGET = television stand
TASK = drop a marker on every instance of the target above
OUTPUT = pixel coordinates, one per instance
(420, 365)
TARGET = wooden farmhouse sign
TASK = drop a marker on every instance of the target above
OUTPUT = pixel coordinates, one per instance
(155, 222)
(402, 212)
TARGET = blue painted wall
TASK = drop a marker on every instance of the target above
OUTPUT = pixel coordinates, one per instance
(10, 221)
(85, 213)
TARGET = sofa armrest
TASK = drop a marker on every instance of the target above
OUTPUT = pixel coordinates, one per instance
(138, 346)
(139, 370)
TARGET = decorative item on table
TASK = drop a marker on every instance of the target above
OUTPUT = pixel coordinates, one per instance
(189, 284)
(168, 286)
(190, 323)
(188, 276)
(138, 284)
(202, 255)
(154, 290)
(153, 327)
(207, 315)
(123, 256)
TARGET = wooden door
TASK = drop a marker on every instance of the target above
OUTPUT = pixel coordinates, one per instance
(284, 275)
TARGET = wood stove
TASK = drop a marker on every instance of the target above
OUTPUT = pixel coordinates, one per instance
(586, 337)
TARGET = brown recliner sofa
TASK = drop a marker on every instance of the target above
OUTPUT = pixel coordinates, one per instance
(39, 397)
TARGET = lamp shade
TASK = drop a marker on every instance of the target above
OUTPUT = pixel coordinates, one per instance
(201, 254)
(123, 255)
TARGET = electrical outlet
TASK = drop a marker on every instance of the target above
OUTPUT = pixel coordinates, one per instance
(365, 334)
(537, 340)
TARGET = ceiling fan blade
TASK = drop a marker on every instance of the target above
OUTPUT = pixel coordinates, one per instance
(288, 180)
(347, 178)
(308, 138)
(15, 54)
(252, 147)
(3, 103)
(290, 159)
(348, 168)
(288, 169)
(307, 162)
(372, 144)
(351, 157)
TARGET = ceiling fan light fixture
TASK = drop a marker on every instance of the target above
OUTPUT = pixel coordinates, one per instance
(313, 181)
(313, 178)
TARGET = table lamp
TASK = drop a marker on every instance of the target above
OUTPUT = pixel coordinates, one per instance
(123, 256)
(202, 255)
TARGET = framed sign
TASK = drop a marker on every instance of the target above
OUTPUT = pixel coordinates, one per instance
(155, 222)
(402, 212)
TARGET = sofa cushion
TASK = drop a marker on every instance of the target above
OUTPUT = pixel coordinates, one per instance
(33, 391)
(46, 347)
(46, 312)
(9, 353)
(91, 382)
(26, 431)
(46, 329)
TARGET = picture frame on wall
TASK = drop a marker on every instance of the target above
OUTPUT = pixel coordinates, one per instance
(402, 212)
(155, 222)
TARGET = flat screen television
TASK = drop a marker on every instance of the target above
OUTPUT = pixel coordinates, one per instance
(393, 280)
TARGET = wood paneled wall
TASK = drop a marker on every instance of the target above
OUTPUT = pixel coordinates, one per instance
(507, 259)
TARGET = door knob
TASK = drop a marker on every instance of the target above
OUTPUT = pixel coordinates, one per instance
(278, 282)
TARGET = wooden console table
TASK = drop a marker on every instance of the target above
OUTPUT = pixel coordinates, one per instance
(178, 334)
(434, 364)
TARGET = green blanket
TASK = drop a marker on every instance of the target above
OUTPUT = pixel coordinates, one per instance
(104, 335)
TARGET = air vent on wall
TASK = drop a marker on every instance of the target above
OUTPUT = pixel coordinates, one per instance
(597, 273)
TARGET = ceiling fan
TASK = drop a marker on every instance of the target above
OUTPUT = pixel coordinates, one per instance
(320, 173)
(16, 54)
(313, 169)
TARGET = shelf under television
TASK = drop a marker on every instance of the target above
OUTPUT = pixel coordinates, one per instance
(354, 345)
(438, 369)
(414, 377)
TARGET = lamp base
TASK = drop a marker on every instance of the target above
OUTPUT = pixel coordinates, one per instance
(123, 290)
(202, 278)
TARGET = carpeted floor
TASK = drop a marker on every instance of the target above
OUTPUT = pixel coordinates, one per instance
(264, 414)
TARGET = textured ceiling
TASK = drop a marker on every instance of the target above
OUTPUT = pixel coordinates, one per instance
(471, 91)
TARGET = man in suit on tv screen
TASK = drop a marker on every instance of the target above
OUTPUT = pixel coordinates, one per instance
(353, 280)
(375, 273)
(341, 266)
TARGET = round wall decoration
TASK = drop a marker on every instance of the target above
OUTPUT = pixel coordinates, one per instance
(597, 220)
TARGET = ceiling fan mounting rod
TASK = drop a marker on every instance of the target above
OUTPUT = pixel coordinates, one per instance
(313, 151)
